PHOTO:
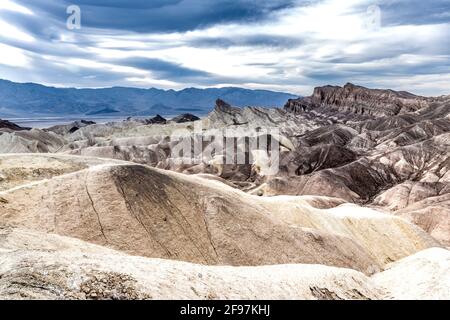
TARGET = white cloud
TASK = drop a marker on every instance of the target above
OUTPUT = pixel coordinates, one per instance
(148, 81)
(85, 63)
(324, 42)
(11, 6)
(11, 56)
(12, 32)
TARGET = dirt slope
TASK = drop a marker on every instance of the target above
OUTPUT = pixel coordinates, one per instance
(36, 265)
(154, 213)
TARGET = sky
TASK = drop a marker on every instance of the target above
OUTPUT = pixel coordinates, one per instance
(282, 45)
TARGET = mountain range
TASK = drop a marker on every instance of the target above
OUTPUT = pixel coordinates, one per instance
(30, 99)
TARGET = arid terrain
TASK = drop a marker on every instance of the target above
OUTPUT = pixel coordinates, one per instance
(358, 208)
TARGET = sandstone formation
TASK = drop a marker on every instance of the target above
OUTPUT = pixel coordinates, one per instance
(359, 206)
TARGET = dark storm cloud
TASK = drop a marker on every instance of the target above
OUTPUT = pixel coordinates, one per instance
(379, 70)
(163, 69)
(260, 40)
(416, 12)
(159, 16)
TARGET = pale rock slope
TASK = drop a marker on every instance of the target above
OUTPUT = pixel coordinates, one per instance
(154, 213)
(42, 266)
(32, 141)
(36, 265)
(425, 275)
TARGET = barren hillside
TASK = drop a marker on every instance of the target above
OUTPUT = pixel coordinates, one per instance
(358, 207)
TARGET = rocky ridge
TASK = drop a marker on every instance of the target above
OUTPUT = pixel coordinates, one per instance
(359, 100)
(6, 125)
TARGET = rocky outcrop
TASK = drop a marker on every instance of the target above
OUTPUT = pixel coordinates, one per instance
(70, 128)
(358, 100)
(185, 117)
(257, 118)
(156, 120)
(32, 141)
(6, 125)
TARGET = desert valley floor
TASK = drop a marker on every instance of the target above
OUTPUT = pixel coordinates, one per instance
(359, 209)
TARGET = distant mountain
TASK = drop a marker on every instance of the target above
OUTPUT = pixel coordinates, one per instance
(29, 99)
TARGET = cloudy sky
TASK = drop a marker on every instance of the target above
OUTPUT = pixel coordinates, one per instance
(284, 45)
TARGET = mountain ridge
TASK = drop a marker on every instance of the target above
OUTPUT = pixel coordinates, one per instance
(359, 100)
(38, 100)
